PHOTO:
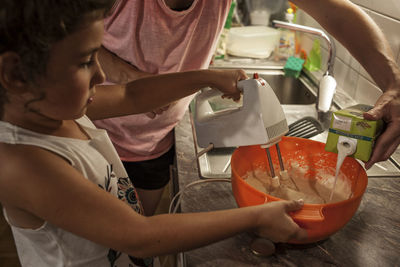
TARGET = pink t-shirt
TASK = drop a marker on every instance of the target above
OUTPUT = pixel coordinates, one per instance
(156, 39)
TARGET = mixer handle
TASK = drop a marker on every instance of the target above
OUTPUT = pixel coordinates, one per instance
(209, 93)
(206, 94)
(203, 111)
(240, 85)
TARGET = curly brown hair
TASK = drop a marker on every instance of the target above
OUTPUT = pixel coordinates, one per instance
(30, 28)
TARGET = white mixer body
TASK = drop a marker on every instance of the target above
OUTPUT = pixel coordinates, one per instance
(260, 121)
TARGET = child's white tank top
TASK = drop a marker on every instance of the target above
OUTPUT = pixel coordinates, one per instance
(98, 161)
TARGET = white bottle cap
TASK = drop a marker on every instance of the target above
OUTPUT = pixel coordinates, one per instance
(289, 15)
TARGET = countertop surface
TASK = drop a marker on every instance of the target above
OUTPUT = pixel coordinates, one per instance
(371, 238)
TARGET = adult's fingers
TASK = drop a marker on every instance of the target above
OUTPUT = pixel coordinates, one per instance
(385, 145)
(374, 114)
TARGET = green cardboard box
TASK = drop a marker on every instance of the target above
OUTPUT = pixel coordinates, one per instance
(349, 122)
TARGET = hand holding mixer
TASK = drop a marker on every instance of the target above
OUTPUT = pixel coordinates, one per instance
(259, 121)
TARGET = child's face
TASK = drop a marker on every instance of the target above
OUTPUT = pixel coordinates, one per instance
(72, 73)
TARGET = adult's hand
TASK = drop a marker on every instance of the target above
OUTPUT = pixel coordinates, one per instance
(387, 108)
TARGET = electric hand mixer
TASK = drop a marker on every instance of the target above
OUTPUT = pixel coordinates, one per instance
(260, 121)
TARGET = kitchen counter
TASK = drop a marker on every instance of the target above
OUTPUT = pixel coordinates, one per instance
(371, 238)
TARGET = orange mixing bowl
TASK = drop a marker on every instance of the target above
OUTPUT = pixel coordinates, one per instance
(320, 220)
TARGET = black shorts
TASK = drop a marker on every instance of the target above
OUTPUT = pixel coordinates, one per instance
(151, 174)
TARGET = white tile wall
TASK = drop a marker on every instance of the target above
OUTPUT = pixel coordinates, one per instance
(346, 77)
(352, 77)
(346, 57)
(366, 92)
(389, 8)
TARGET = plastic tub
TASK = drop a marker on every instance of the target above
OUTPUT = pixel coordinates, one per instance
(252, 41)
(320, 220)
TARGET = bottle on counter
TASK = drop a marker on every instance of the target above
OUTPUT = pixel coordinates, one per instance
(287, 41)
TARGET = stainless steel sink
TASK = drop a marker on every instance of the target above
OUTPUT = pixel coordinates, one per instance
(289, 90)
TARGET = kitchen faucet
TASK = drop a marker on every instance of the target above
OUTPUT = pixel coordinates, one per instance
(327, 85)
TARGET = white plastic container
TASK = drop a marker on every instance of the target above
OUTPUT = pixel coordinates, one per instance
(252, 41)
(260, 10)
(260, 17)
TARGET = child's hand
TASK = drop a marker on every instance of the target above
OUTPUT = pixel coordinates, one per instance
(276, 224)
(226, 82)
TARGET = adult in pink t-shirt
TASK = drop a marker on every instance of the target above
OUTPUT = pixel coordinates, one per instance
(153, 37)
